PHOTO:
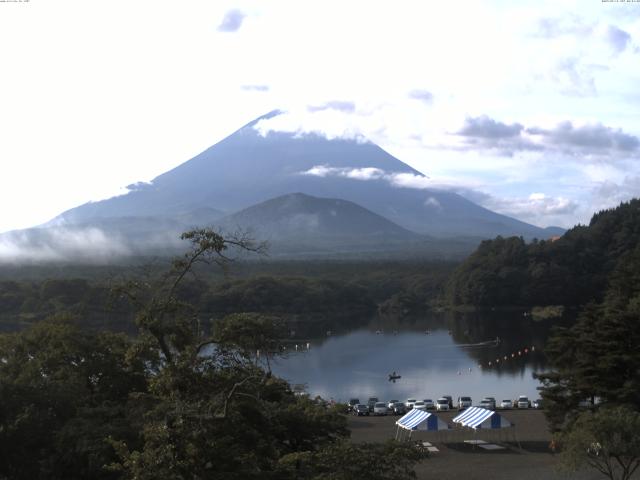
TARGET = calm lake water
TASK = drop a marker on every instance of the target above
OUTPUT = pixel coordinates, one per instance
(452, 359)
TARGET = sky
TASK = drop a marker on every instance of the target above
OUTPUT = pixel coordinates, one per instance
(527, 108)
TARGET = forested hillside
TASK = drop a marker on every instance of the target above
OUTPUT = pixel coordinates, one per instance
(572, 270)
(303, 293)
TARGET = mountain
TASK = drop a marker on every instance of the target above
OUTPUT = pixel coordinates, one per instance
(300, 222)
(248, 168)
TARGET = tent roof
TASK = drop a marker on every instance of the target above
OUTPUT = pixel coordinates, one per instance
(477, 417)
(421, 420)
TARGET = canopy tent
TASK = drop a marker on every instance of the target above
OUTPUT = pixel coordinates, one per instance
(421, 420)
(477, 417)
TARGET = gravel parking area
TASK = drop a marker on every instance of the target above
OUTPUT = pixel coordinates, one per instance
(526, 456)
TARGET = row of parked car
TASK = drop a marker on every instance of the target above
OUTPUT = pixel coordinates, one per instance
(444, 403)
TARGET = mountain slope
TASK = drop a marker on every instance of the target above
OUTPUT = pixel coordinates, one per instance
(247, 168)
(313, 223)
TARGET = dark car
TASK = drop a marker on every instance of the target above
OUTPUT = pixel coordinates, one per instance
(361, 409)
(353, 402)
(372, 403)
(399, 408)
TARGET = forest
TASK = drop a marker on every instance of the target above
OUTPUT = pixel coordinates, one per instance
(572, 270)
(109, 375)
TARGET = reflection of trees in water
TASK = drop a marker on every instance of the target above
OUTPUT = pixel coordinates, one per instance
(316, 326)
(515, 333)
(472, 331)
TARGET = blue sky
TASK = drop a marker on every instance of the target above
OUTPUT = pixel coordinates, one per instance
(529, 109)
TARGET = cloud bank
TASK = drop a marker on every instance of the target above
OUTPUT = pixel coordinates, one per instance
(593, 140)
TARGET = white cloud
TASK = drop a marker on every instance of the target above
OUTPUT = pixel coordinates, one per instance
(432, 202)
(91, 245)
(410, 180)
(232, 21)
(82, 119)
(537, 208)
(397, 179)
(367, 173)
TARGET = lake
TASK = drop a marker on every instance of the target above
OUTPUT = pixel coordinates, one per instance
(437, 355)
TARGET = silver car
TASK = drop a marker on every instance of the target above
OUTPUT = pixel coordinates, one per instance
(488, 403)
(420, 405)
(380, 408)
(442, 405)
(409, 403)
(429, 404)
(523, 402)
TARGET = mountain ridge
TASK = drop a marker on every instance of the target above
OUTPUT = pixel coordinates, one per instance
(247, 168)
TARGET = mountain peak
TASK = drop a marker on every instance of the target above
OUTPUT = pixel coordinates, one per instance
(247, 168)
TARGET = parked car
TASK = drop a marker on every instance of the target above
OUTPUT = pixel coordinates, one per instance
(537, 403)
(429, 404)
(353, 402)
(523, 402)
(380, 408)
(464, 402)
(391, 403)
(420, 405)
(449, 400)
(361, 409)
(489, 403)
(371, 403)
(442, 404)
(399, 408)
(506, 404)
(409, 403)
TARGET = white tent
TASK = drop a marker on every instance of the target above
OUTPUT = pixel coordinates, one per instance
(477, 417)
(421, 420)
(480, 419)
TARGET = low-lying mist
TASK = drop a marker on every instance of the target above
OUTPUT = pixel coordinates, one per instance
(86, 245)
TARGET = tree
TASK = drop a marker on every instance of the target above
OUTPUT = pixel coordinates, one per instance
(345, 461)
(63, 391)
(179, 400)
(606, 440)
(598, 357)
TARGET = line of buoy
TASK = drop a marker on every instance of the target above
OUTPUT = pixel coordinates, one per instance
(519, 353)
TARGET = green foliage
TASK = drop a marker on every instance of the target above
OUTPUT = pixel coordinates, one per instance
(179, 400)
(254, 335)
(62, 392)
(573, 270)
(547, 312)
(606, 440)
(289, 295)
(345, 461)
(598, 356)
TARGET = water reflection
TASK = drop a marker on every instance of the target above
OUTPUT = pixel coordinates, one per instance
(452, 359)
